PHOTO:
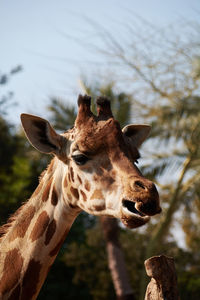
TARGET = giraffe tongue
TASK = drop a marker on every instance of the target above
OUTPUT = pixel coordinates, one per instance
(130, 206)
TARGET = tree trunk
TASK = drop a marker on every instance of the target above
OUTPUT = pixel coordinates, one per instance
(116, 260)
(163, 284)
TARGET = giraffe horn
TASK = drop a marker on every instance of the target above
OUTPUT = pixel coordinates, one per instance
(103, 108)
(84, 111)
(84, 101)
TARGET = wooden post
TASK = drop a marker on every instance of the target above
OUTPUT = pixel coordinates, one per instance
(163, 284)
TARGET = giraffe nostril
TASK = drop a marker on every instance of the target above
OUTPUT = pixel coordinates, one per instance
(139, 184)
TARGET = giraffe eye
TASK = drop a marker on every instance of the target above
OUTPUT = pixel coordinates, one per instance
(80, 159)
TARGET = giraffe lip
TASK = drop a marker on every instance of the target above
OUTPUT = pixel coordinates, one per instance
(131, 217)
(129, 206)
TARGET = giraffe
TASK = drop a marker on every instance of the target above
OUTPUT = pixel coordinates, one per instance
(93, 169)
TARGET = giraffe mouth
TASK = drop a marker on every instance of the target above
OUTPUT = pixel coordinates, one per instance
(129, 206)
(131, 217)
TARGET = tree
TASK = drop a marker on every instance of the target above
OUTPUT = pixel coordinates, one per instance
(16, 170)
(4, 79)
(14, 167)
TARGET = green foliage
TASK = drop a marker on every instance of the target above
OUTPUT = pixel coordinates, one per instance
(89, 260)
(7, 142)
(14, 171)
(188, 268)
(89, 263)
(63, 115)
(4, 79)
(189, 286)
(59, 284)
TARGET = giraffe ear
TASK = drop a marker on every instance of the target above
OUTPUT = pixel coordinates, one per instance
(40, 134)
(137, 133)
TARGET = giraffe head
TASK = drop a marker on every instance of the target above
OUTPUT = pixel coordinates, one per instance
(97, 161)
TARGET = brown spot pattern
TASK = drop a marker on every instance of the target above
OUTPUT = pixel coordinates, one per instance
(22, 225)
(108, 180)
(73, 206)
(30, 280)
(15, 293)
(69, 178)
(79, 179)
(54, 197)
(74, 192)
(55, 250)
(72, 173)
(14, 262)
(87, 185)
(69, 197)
(50, 232)
(99, 207)
(97, 195)
(40, 226)
(45, 194)
(65, 182)
(84, 195)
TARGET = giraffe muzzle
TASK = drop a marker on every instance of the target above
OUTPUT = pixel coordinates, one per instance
(130, 216)
(140, 202)
(144, 194)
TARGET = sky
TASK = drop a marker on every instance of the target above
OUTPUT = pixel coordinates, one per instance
(35, 34)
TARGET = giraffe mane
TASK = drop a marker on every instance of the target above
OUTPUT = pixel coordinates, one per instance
(4, 228)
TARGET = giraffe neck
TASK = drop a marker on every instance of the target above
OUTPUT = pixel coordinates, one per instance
(34, 238)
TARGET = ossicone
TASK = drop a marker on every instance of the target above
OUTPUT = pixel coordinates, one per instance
(103, 108)
(84, 112)
(84, 100)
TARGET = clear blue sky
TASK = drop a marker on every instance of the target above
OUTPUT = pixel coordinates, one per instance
(30, 36)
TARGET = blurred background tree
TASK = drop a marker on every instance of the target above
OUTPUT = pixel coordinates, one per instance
(5, 98)
(14, 169)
